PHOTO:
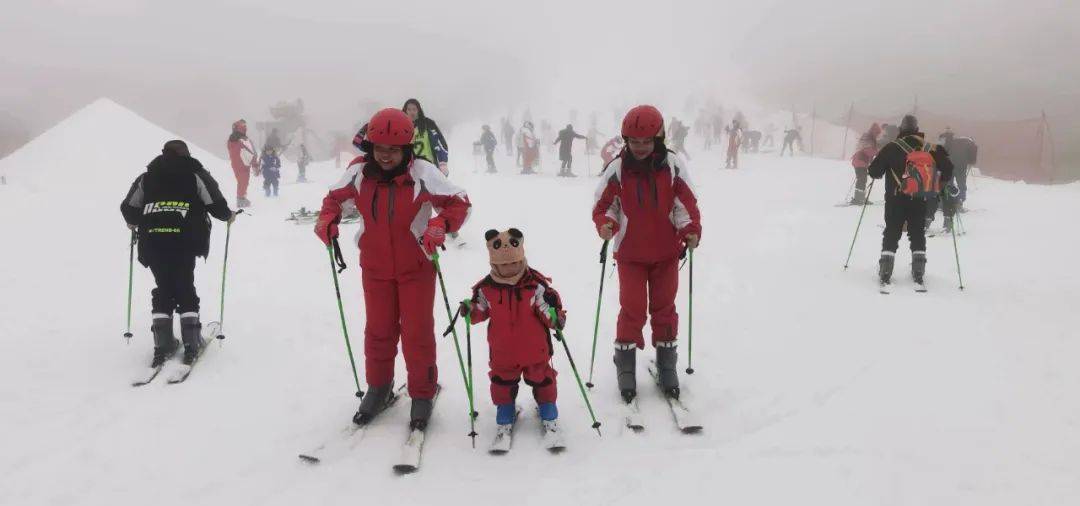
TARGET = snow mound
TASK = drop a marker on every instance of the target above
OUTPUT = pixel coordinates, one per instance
(104, 140)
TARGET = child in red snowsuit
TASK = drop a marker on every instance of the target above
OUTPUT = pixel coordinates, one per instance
(517, 301)
(646, 206)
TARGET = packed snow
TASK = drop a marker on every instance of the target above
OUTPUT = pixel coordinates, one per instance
(812, 387)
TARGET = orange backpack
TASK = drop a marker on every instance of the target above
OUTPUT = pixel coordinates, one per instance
(921, 177)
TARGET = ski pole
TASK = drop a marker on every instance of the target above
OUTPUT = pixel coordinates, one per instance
(869, 188)
(224, 269)
(690, 324)
(336, 263)
(468, 351)
(599, 299)
(956, 252)
(131, 273)
(457, 347)
(584, 395)
(848, 196)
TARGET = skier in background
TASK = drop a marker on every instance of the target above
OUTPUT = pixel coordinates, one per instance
(508, 136)
(429, 142)
(302, 163)
(565, 140)
(167, 208)
(271, 171)
(734, 133)
(612, 149)
(528, 148)
(395, 258)
(867, 150)
(901, 209)
(791, 136)
(679, 131)
(239, 143)
(964, 153)
(488, 141)
(649, 230)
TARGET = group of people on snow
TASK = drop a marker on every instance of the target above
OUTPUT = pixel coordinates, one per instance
(919, 177)
(408, 206)
(246, 162)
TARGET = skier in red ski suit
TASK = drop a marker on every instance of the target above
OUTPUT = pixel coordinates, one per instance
(238, 143)
(516, 301)
(397, 195)
(646, 205)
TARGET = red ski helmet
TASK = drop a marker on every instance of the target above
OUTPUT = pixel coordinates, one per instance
(643, 121)
(391, 127)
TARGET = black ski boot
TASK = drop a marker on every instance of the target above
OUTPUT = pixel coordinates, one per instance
(625, 370)
(420, 413)
(918, 266)
(667, 363)
(374, 402)
(165, 343)
(885, 267)
(191, 332)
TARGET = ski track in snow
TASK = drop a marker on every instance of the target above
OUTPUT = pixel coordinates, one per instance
(812, 387)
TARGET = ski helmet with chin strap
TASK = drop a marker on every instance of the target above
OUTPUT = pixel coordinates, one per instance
(643, 121)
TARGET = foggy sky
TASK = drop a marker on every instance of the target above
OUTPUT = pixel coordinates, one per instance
(196, 66)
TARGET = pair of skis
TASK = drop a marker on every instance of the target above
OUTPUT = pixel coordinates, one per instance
(181, 373)
(685, 419)
(504, 439)
(348, 438)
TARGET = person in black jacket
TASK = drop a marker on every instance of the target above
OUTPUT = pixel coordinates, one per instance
(963, 152)
(168, 207)
(565, 140)
(488, 141)
(901, 209)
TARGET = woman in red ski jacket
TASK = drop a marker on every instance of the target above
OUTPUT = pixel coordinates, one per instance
(239, 143)
(646, 205)
(407, 207)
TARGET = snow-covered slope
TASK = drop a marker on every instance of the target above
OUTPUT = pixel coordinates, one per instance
(103, 142)
(814, 389)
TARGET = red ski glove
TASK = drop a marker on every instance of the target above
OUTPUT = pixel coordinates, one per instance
(434, 236)
(327, 231)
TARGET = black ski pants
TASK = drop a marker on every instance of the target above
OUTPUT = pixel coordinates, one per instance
(901, 210)
(490, 153)
(174, 274)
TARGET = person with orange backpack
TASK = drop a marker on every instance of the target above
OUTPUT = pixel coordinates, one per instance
(915, 171)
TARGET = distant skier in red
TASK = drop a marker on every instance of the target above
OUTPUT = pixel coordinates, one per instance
(238, 144)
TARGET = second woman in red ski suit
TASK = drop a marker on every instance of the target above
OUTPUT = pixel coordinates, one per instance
(646, 205)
